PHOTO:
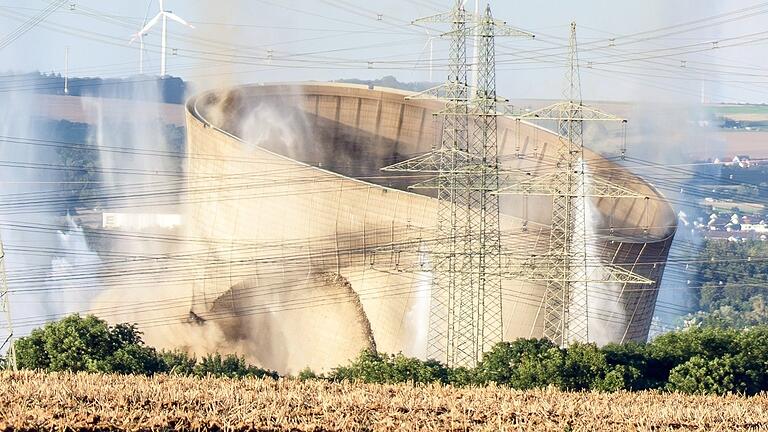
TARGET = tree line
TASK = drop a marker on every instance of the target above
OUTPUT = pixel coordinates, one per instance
(139, 87)
(733, 277)
(710, 360)
(707, 360)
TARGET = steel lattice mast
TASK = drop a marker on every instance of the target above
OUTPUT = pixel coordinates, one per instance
(566, 312)
(484, 239)
(566, 268)
(450, 335)
(5, 308)
(465, 311)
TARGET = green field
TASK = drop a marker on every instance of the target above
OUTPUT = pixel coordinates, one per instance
(748, 113)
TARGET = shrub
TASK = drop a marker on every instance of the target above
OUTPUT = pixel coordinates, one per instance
(639, 371)
(131, 359)
(89, 344)
(307, 374)
(230, 366)
(584, 365)
(461, 376)
(672, 349)
(372, 367)
(178, 362)
(73, 344)
(753, 358)
(701, 376)
(617, 378)
(30, 351)
(524, 363)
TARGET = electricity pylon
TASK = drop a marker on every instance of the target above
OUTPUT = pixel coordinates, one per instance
(465, 311)
(5, 308)
(566, 269)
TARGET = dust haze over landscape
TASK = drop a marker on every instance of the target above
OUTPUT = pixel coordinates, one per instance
(131, 206)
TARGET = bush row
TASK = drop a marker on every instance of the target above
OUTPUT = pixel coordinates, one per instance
(696, 360)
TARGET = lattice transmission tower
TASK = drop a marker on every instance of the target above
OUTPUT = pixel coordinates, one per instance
(6, 332)
(566, 269)
(465, 311)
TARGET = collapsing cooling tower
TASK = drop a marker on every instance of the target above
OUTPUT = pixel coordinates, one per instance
(286, 189)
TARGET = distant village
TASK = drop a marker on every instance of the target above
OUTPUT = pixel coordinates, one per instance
(734, 212)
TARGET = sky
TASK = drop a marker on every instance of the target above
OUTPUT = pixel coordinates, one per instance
(718, 57)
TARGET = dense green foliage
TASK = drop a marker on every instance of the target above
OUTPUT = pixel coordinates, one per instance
(733, 278)
(76, 148)
(81, 180)
(752, 182)
(89, 344)
(697, 360)
(382, 368)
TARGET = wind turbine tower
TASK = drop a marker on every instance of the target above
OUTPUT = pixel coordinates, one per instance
(163, 16)
(430, 44)
(140, 37)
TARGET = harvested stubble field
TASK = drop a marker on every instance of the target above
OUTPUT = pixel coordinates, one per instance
(36, 401)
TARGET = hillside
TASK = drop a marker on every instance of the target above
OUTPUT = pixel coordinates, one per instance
(86, 109)
(138, 87)
(64, 401)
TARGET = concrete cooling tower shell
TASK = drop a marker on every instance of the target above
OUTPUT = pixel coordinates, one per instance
(286, 192)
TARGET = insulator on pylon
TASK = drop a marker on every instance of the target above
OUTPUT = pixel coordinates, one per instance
(623, 140)
(646, 216)
(525, 213)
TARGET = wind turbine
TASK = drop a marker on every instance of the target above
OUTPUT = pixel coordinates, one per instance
(430, 44)
(140, 37)
(163, 15)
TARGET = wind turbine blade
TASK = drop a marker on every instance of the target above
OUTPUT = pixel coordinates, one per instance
(423, 50)
(151, 23)
(178, 19)
(162, 9)
(134, 37)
